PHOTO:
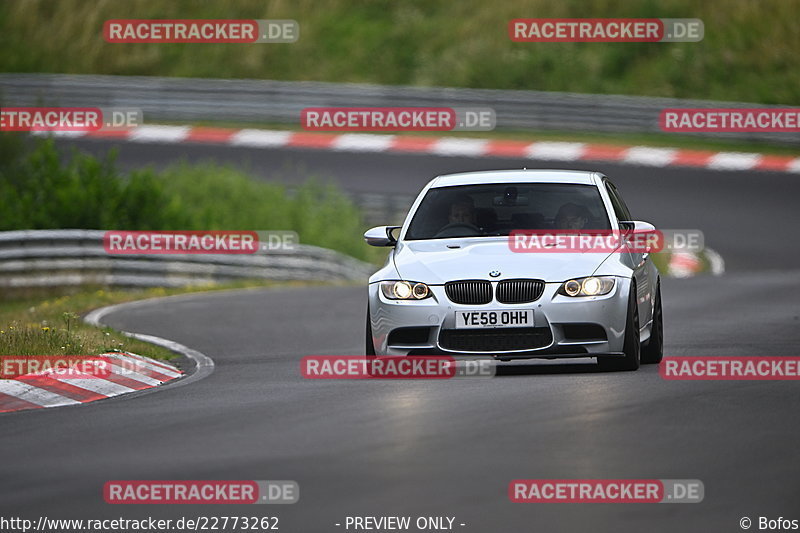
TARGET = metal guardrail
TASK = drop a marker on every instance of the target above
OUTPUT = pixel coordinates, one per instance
(47, 258)
(382, 209)
(190, 99)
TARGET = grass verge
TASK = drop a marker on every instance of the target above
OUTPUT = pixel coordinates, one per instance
(748, 53)
(48, 322)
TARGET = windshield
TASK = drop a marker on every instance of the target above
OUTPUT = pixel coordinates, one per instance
(497, 209)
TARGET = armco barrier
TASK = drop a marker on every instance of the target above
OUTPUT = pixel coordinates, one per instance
(47, 258)
(266, 101)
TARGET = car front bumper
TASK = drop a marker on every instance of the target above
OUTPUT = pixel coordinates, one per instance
(563, 326)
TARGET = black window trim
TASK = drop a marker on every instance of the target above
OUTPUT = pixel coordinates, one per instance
(613, 195)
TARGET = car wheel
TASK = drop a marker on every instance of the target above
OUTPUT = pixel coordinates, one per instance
(370, 347)
(631, 346)
(654, 351)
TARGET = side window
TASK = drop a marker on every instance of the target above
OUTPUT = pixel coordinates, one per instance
(620, 209)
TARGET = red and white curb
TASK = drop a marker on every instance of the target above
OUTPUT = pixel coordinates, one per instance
(688, 264)
(52, 388)
(450, 146)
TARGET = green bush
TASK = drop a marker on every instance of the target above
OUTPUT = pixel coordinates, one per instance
(42, 190)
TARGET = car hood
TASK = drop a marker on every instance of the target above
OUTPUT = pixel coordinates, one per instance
(441, 260)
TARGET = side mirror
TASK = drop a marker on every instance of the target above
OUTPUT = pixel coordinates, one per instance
(641, 233)
(636, 226)
(381, 236)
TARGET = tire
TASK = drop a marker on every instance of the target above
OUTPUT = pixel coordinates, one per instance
(654, 351)
(369, 345)
(631, 347)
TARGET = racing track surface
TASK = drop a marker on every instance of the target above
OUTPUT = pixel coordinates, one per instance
(449, 448)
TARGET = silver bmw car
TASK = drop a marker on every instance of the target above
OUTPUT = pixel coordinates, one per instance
(453, 284)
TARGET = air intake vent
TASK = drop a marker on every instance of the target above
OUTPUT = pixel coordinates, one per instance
(495, 340)
(469, 292)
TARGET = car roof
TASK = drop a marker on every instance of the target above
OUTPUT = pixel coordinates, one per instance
(582, 177)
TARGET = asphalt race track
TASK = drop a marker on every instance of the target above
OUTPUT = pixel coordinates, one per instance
(449, 448)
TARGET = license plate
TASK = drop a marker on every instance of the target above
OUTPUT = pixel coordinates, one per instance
(507, 318)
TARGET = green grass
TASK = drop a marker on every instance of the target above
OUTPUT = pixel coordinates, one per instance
(749, 52)
(34, 325)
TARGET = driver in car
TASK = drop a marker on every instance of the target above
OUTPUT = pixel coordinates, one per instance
(460, 218)
(572, 216)
(462, 211)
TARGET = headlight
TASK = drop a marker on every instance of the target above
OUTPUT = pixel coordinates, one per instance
(572, 288)
(591, 286)
(405, 290)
